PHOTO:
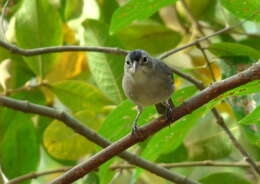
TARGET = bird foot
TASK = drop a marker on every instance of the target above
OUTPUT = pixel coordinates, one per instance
(169, 112)
(137, 132)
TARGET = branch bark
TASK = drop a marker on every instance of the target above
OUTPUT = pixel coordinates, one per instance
(48, 50)
(147, 130)
(35, 175)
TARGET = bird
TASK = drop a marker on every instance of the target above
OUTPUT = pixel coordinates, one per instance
(148, 81)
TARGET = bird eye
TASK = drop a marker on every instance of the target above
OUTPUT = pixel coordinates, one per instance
(145, 60)
(128, 62)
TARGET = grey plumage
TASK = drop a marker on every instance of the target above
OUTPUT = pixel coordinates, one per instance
(147, 81)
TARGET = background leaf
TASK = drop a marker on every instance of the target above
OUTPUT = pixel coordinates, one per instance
(63, 143)
(19, 147)
(252, 118)
(243, 8)
(79, 95)
(42, 28)
(132, 10)
(233, 49)
(224, 178)
(148, 37)
(106, 70)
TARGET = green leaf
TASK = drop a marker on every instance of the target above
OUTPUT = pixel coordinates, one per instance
(106, 174)
(252, 118)
(19, 147)
(107, 9)
(170, 138)
(79, 95)
(107, 70)
(92, 178)
(243, 8)
(181, 95)
(252, 134)
(148, 36)
(211, 144)
(224, 49)
(65, 144)
(121, 120)
(224, 178)
(135, 10)
(38, 25)
(71, 9)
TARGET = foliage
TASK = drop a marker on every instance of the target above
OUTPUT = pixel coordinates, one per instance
(88, 85)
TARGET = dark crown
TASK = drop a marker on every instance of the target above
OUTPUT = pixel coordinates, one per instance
(135, 55)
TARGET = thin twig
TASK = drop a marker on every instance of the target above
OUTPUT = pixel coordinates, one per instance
(36, 175)
(218, 88)
(205, 163)
(91, 135)
(47, 50)
(170, 52)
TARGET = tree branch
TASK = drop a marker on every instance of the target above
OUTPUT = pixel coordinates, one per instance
(205, 163)
(47, 50)
(36, 175)
(83, 130)
(147, 130)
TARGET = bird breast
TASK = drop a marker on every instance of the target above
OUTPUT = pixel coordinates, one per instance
(145, 89)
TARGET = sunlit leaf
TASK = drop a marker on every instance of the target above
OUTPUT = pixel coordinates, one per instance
(148, 37)
(63, 143)
(132, 10)
(79, 95)
(70, 65)
(224, 49)
(107, 70)
(107, 9)
(248, 9)
(71, 9)
(252, 118)
(19, 141)
(42, 28)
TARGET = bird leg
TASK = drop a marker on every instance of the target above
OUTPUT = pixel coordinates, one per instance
(135, 125)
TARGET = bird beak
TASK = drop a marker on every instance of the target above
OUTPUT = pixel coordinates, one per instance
(135, 66)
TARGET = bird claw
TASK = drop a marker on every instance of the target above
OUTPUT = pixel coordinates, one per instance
(169, 112)
(135, 129)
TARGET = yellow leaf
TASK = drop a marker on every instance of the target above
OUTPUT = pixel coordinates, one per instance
(70, 65)
(225, 107)
(202, 71)
(63, 143)
(69, 35)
